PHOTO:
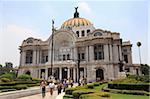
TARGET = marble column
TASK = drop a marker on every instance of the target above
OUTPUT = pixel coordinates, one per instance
(23, 58)
(34, 57)
(75, 54)
(60, 73)
(74, 74)
(110, 46)
(20, 58)
(46, 73)
(115, 53)
(120, 52)
(106, 53)
(84, 71)
(37, 60)
(87, 53)
(91, 52)
(68, 72)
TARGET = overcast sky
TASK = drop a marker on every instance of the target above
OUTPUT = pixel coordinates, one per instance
(20, 20)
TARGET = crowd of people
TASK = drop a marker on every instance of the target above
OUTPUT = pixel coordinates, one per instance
(60, 85)
(55, 84)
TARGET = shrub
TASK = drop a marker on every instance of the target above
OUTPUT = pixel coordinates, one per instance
(8, 76)
(144, 78)
(68, 96)
(25, 82)
(133, 92)
(70, 90)
(104, 94)
(7, 84)
(97, 95)
(24, 77)
(96, 83)
(19, 87)
(77, 93)
(91, 86)
(145, 87)
(5, 80)
(90, 96)
(37, 80)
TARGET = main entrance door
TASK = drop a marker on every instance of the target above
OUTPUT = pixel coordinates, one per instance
(64, 73)
(99, 74)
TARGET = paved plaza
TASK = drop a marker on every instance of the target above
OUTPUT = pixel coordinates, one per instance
(48, 96)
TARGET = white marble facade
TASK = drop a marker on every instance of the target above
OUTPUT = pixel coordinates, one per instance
(103, 54)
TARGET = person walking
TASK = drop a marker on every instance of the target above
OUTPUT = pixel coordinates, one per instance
(65, 85)
(59, 87)
(43, 87)
(51, 87)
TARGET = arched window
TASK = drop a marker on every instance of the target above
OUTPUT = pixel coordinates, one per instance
(98, 34)
(77, 32)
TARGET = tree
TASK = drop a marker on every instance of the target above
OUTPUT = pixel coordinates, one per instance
(145, 69)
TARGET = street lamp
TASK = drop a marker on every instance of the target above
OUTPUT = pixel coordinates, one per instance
(79, 71)
(139, 44)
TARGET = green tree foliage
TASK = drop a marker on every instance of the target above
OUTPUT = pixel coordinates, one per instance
(24, 77)
(9, 76)
(145, 69)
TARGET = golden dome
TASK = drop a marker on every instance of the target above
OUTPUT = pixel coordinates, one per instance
(76, 22)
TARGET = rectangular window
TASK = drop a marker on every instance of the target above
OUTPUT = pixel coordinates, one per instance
(29, 55)
(83, 33)
(68, 57)
(95, 56)
(88, 31)
(77, 32)
(99, 55)
(126, 58)
(46, 58)
(78, 55)
(83, 56)
(98, 52)
(124, 50)
(64, 57)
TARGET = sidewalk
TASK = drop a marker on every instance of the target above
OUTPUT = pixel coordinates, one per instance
(39, 96)
(31, 93)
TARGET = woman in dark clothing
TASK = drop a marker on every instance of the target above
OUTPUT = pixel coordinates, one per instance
(59, 88)
(43, 87)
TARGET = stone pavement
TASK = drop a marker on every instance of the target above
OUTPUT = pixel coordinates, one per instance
(31, 93)
(39, 96)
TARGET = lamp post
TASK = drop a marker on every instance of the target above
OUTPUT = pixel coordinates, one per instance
(139, 44)
(79, 71)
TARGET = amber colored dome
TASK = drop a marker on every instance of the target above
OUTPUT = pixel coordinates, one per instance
(76, 22)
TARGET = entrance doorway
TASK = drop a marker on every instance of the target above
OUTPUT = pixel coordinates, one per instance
(56, 73)
(64, 73)
(99, 74)
(28, 73)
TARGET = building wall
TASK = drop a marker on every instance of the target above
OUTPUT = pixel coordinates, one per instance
(66, 39)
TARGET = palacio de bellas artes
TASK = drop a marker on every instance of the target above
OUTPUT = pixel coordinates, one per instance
(77, 49)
